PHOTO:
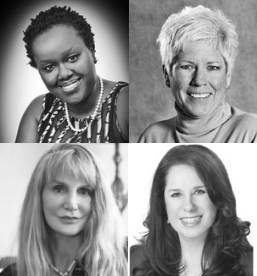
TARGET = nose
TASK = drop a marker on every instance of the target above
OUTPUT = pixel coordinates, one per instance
(71, 203)
(64, 72)
(199, 78)
(189, 205)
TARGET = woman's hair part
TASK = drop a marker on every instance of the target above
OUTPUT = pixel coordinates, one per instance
(198, 24)
(55, 16)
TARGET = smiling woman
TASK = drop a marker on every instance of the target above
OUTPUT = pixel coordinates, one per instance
(80, 105)
(198, 48)
(192, 226)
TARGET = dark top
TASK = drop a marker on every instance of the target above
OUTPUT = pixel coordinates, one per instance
(137, 257)
(12, 271)
(53, 126)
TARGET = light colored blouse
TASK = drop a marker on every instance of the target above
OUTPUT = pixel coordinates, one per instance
(226, 124)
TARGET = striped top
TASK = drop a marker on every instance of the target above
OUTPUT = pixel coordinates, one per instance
(53, 126)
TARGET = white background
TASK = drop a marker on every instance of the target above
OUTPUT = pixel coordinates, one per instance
(240, 161)
(17, 162)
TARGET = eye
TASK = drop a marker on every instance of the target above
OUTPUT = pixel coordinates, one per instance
(58, 189)
(200, 192)
(213, 68)
(73, 58)
(85, 191)
(176, 195)
(187, 67)
(49, 68)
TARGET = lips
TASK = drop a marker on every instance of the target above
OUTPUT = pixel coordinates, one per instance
(69, 220)
(199, 95)
(67, 217)
(191, 221)
(70, 86)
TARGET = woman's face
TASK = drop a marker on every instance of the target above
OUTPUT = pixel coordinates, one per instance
(66, 204)
(65, 64)
(198, 79)
(190, 210)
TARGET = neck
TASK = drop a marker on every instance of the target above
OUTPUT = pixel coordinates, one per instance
(63, 249)
(202, 125)
(192, 250)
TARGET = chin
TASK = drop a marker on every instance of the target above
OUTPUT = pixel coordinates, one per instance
(70, 233)
(195, 234)
(195, 112)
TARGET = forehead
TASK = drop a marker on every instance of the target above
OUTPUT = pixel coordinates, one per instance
(72, 167)
(200, 51)
(56, 40)
(182, 176)
(66, 176)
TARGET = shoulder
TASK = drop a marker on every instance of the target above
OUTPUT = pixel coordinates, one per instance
(243, 117)
(10, 270)
(136, 256)
(27, 131)
(35, 107)
(243, 125)
(159, 132)
(123, 95)
(120, 104)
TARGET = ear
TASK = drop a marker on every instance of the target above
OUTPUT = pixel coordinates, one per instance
(166, 75)
(228, 79)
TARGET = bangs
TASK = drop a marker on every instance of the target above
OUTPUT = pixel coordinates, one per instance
(78, 165)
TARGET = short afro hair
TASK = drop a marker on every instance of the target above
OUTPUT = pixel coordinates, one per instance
(45, 20)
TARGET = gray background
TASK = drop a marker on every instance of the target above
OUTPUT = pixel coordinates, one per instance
(150, 99)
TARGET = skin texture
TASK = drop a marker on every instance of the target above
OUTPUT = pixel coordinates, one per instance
(66, 196)
(198, 69)
(186, 196)
(62, 57)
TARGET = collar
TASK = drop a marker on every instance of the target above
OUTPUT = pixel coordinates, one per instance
(199, 127)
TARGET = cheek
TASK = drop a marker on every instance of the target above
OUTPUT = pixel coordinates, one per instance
(180, 80)
(50, 204)
(218, 82)
(171, 209)
(86, 206)
(212, 212)
(49, 79)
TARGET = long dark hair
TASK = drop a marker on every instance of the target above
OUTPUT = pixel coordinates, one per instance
(226, 246)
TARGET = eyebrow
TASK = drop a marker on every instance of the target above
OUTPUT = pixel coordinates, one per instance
(178, 190)
(56, 181)
(209, 62)
(44, 61)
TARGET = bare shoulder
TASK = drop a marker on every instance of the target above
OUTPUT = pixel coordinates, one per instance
(27, 132)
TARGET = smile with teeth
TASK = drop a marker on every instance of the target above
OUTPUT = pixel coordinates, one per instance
(70, 87)
(191, 220)
(199, 96)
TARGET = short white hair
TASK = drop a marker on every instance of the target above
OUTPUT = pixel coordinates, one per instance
(198, 24)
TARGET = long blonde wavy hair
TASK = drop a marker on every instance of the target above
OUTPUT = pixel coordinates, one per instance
(102, 253)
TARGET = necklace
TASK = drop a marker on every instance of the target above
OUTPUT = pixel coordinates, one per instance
(76, 128)
(64, 273)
